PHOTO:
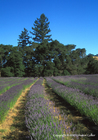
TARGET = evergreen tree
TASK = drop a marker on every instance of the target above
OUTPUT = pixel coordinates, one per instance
(41, 29)
(24, 39)
(92, 66)
(23, 42)
(29, 60)
(14, 65)
(1, 57)
(4, 53)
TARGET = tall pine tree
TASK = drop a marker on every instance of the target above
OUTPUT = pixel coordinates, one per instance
(23, 42)
(41, 29)
(24, 39)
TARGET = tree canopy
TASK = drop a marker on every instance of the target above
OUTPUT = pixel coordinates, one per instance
(44, 58)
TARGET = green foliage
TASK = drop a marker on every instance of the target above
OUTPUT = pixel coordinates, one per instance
(56, 72)
(14, 64)
(92, 67)
(36, 59)
(4, 52)
(41, 29)
(37, 70)
(65, 72)
(49, 69)
(24, 39)
(7, 72)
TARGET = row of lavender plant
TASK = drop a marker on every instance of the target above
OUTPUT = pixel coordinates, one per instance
(86, 78)
(84, 103)
(10, 80)
(91, 80)
(7, 85)
(73, 83)
(7, 78)
(6, 81)
(9, 98)
(38, 118)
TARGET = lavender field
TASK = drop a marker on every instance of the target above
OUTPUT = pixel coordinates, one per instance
(83, 96)
(7, 83)
(8, 98)
(38, 117)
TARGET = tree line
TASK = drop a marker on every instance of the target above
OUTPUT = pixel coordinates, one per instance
(34, 59)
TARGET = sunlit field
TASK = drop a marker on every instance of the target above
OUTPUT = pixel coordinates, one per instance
(49, 108)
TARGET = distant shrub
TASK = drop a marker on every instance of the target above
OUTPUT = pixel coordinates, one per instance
(65, 72)
(7, 72)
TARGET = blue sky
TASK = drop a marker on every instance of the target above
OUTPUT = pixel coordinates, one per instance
(71, 21)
